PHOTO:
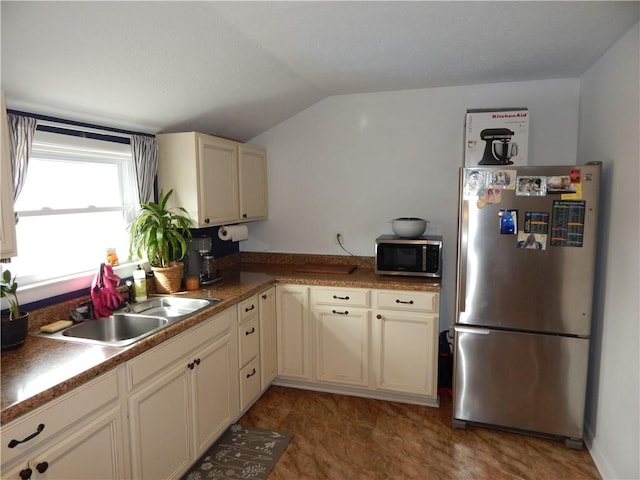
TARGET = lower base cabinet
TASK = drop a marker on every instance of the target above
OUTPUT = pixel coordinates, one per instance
(293, 332)
(187, 397)
(375, 343)
(90, 453)
(77, 436)
(405, 342)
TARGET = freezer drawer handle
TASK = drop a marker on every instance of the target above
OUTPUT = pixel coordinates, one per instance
(410, 302)
(341, 298)
(336, 312)
(477, 331)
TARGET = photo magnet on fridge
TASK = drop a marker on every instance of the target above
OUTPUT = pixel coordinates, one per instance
(496, 136)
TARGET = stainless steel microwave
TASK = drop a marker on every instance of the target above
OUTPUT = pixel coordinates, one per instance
(416, 257)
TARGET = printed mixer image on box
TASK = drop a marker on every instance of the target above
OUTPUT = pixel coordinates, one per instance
(496, 137)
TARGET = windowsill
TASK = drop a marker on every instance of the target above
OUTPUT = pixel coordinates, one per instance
(41, 291)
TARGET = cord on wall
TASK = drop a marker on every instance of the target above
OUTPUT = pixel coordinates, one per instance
(339, 240)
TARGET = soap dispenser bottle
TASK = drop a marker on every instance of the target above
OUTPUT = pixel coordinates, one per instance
(140, 284)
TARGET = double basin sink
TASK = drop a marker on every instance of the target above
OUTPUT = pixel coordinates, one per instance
(133, 322)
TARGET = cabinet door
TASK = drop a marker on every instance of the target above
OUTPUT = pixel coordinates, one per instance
(7, 221)
(253, 183)
(218, 181)
(92, 452)
(212, 393)
(406, 352)
(342, 345)
(268, 332)
(160, 426)
(294, 348)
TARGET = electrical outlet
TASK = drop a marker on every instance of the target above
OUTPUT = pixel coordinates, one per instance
(339, 235)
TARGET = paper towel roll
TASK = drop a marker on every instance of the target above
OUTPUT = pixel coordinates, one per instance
(234, 233)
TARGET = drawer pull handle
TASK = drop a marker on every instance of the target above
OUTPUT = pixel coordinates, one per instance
(14, 443)
(341, 298)
(26, 474)
(248, 309)
(336, 312)
(250, 331)
(197, 361)
(253, 372)
(191, 365)
(264, 296)
(42, 467)
(410, 302)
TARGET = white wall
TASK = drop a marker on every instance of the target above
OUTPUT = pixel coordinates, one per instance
(351, 163)
(609, 132)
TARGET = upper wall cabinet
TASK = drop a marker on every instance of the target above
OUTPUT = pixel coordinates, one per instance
(217, 181)
(7, 222)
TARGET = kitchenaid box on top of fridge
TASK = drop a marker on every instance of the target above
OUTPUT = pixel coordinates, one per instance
(496, 137)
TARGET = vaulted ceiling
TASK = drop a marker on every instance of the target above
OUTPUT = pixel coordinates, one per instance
(236, 69)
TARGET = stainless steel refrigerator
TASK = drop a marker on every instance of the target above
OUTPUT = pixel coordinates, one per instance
(525, 277)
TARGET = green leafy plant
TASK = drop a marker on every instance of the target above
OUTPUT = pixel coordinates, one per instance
(9, 289)
(160, 234)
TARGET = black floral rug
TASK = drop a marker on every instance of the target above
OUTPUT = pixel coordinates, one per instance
(241, 452)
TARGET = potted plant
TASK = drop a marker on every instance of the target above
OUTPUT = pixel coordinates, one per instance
(160, 235)
(15, 325)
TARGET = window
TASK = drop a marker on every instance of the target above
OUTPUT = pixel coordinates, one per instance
(77, 199)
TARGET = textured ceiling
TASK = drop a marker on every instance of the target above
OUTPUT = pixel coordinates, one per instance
(237, 69)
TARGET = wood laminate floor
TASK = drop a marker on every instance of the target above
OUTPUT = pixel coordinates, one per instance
(342, 437)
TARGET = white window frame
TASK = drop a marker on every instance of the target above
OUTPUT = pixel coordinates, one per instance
(41, 290)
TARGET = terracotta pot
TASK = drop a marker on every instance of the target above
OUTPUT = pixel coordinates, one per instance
(14, 331)
(168, 279)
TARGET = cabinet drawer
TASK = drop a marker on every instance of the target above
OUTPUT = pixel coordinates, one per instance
(409, 301)
(58, 415)
(249, 335)
(166, 354)
(249, 383)
(341, 296)
(247, 308)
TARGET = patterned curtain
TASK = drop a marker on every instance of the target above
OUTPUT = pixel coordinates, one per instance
(21, 131)
(145, 157)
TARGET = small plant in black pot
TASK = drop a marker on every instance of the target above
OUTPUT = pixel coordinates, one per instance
(15, 325)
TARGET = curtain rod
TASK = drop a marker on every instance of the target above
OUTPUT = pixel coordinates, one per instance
(77, 124)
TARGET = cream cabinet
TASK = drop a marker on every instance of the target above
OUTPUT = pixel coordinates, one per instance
(8, 247)
(249, 351)
(341, 335)
(76, 436)
(183, 395)
(268, 335)
(252, 173)
(405, 342)
(293, 332)
(218, 181)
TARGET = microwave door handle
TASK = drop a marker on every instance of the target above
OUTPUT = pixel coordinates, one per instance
(424, 258)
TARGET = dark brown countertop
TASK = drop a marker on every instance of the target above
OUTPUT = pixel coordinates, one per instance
(43, 369)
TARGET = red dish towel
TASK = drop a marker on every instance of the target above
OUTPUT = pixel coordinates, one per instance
(104, 295)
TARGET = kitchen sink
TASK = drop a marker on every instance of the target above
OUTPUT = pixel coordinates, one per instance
(117, 330)
(133, 322)
(168, 307)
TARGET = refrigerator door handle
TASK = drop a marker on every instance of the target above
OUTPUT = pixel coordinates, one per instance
(462, 259)
(476, 331)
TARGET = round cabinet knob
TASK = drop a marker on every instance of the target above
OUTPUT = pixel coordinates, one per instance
(26, 473)
(379, 317)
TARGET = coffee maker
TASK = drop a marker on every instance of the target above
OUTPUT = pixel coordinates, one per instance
(201, 262)
(498, 149)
